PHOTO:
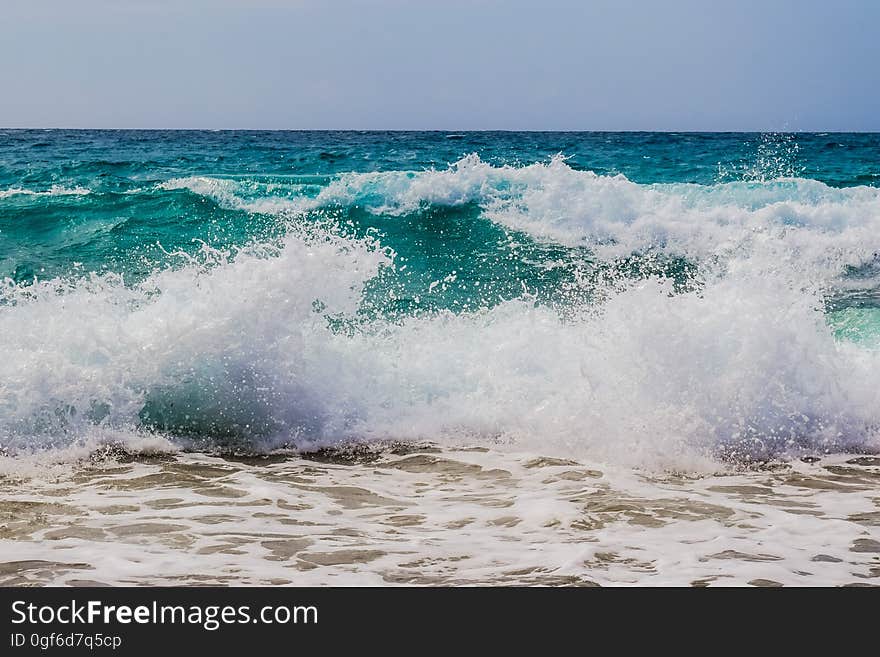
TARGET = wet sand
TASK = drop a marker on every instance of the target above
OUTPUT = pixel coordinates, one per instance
(426, 516)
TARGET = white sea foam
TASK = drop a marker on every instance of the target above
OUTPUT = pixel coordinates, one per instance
(249, 196)
(789, 219)
(243, 351)
(820, 227)
(54, 190)
(451, 517)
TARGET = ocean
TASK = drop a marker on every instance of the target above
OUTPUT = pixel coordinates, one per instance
(352, 358)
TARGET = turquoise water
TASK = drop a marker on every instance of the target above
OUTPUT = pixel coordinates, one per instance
(601, 292)
(117, 224)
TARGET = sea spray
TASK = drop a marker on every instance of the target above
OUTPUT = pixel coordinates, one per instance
(661, 323)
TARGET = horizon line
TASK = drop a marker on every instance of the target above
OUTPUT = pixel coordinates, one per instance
(440, 130)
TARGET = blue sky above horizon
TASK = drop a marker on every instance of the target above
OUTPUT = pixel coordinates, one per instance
(451, 65)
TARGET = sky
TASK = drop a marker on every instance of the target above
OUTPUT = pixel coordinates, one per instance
(441, 64)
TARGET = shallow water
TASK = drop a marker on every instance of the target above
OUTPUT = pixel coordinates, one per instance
(429, 516)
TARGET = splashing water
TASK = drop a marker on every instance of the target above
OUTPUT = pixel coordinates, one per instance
(513, 297)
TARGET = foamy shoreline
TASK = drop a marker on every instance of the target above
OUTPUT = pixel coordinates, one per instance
(438, 517)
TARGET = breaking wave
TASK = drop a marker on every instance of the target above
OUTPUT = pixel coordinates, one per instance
(768, 350)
